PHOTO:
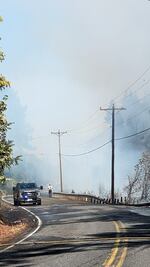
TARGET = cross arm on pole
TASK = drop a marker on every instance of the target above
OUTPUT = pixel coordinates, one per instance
(105, 109)
(59, 132)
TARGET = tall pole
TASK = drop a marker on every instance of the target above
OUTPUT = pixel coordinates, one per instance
(113, 150)
(59, 134)
(60, 169)
(113, 154)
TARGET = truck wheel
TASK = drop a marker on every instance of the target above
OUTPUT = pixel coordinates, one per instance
(16, 202)
(39, 202)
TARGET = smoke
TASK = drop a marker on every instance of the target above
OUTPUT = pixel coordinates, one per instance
(134, 119)
(32, 167)
(67, 59)
(129, 122)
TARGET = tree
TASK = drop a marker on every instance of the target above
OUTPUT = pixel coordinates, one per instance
(6, 146)
(138, 187)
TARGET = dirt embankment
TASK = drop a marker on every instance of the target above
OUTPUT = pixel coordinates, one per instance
(9, 232)
(14, 223)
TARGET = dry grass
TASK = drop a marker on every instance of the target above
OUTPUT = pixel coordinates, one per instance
(8, 232)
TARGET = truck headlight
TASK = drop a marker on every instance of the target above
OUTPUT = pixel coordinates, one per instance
(24, 195)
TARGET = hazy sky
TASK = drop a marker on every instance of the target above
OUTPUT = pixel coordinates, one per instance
(65, 59)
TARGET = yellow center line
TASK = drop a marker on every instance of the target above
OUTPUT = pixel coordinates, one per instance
(124, 251)
(122, 257)
(109, 261)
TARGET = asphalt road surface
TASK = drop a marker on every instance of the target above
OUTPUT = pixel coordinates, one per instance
(78, 235)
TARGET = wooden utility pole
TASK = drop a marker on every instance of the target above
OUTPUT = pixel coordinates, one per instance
(59, 134)
(113, 150)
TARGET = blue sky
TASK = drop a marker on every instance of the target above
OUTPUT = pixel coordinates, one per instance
(66, 59)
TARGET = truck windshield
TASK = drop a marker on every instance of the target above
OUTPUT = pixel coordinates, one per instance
(28, 186)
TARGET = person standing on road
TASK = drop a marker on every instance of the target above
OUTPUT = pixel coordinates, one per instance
(50, 190)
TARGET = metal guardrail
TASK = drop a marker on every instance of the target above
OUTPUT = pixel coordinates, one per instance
(97, 200)
(89, 198)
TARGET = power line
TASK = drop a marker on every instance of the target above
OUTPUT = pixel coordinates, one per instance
(117, 139)
(39, 137)
(94, 128)
(88, 152)
(135, 115)
(89, 141)
(133, 83)
(128, 136)
(112, 100)
(84, 124)
(138, 89)
(138, 100)
(90, 129)
(93, 114)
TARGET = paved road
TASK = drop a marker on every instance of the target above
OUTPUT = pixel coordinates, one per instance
(74, 235)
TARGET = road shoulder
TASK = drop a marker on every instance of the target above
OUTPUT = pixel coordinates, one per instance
(15, 224)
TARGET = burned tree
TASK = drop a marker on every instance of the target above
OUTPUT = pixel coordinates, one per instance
(138, 187)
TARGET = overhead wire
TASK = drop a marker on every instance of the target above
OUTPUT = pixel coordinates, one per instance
(84, 124)
(124, 91)
(138, 89)
(136, 115)
(138, 100)
(116, 139)
(132, 135)
(88, 152)
(127, 89)
(133, 83)
(89, 130)
(133, 103)
(92, 115)
(85, 143)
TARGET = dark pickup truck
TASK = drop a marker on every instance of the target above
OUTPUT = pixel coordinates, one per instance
(26, 193)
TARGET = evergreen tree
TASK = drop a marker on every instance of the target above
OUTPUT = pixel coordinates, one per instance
(6, 146)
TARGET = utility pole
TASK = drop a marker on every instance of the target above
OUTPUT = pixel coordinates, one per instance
(113, 109)
(59, 134)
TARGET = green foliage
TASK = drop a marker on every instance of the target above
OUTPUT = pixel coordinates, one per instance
(2, 179)
(6, 146)
(2, 56)
(3, 83)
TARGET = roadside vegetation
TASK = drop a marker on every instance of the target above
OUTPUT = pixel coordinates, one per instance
(138, 187)
(7, 159)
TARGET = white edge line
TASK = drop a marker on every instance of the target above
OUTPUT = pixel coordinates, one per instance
(27, 236)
